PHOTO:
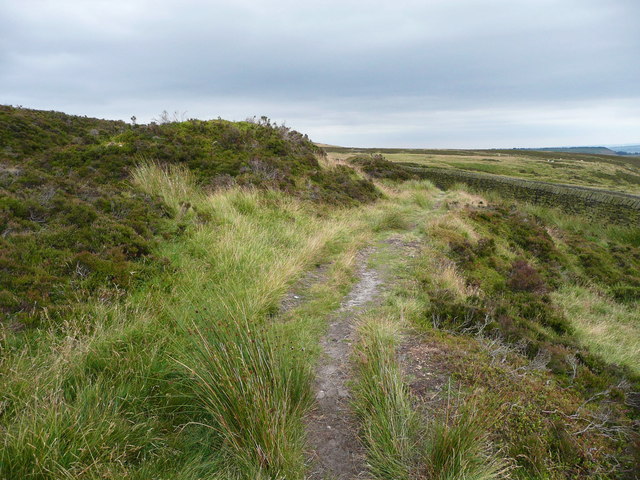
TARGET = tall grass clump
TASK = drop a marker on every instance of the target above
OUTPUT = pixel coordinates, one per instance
(389, 217)
(399, 444)
(418, 193)
(254, 396)
(383, 403)
(456, 448)
(175, 184)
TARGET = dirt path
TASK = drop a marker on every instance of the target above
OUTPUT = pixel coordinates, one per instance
(331, 427)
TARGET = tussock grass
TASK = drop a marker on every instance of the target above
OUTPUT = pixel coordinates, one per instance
(607, 327)
(255, 396)
(458, 196)
(390, 220)
(457, 448)
(175, 184)
(451, 226)
(440, 273)
(420, 186)
(417, 193)
(383, 403)
(454, 445)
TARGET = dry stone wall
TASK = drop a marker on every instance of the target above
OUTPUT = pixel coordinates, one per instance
(615, 207)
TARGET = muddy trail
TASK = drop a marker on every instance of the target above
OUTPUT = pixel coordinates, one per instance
(336, 452)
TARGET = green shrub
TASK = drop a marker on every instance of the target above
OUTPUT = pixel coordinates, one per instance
(378, 167)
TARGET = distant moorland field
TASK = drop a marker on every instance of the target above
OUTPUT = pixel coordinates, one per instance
(617, 173)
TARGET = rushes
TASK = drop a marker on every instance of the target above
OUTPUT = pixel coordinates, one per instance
(389, 424)
(254, 396)
(456, 448)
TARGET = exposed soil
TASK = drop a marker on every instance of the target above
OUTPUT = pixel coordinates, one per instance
(408, 248)
(296, 295)
(336, 452)
(425, 368)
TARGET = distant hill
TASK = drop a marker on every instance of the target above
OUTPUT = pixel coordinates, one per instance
(589, 150)
(626, 149)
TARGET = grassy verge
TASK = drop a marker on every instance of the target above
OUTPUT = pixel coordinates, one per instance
(389, 424)
(402, 439)
(190, 375)
(607, 327)
(527, 307)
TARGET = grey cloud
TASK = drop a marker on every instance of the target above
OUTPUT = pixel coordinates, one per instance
(315, 63)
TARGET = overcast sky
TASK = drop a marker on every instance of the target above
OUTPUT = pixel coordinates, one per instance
(428, 73)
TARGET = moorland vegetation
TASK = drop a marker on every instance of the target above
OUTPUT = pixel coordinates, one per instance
(143, 335)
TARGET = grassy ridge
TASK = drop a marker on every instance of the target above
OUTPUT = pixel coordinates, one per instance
(73, 226)
(390, 425)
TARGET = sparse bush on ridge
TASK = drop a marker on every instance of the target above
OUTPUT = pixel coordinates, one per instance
(378, 167)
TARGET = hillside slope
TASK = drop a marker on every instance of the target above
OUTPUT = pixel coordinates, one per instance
(588, 150)
(73, 225)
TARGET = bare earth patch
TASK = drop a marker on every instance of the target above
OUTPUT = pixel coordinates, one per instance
(336, 452)
(425, 367)
(296, 295)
